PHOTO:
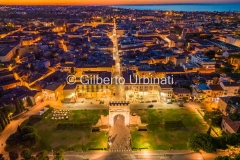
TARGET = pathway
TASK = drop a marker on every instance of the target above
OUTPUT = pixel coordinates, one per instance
(119, 135)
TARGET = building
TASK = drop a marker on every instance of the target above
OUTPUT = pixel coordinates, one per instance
(230, 88)
(166, 92)
(91, 85)
(69, 92)
(229, 105)
(234, 40)
(202, 92)
(53, 91)
(137, 89)
(181, 93)
(23, 50)
(190, 67)
(179, 60)
(108, 66)
(174, 41)
(35, 97)
(217, 91)
(204, 62)
(8, 80)
(230, 126)
(8, 50)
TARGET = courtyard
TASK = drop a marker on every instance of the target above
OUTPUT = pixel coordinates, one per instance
(167, 128)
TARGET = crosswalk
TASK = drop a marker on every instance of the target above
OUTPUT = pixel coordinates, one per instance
(120, 150)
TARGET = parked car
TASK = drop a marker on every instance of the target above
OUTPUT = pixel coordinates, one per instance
(154, 100)
(181, 105)
(150, 106)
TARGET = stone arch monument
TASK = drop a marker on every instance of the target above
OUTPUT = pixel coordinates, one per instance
(119, 108)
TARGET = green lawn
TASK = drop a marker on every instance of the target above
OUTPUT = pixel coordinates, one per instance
(71, 139)
(161, 135)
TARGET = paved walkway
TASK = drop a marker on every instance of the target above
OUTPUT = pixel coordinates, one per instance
(119, 135)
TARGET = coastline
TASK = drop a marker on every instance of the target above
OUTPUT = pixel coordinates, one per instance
(203, 7)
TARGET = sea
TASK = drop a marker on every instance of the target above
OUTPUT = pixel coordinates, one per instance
(186, 7)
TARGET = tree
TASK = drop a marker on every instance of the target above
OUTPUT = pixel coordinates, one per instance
(214, 118)
(1, 157)
(201, 141)
(27, 129)
(232, 139)
(19, 129)
(21, 105)
(221, 143)
(223, 158)
(72, 70)
(29, 101)
(13, 139)
(29, 139)
(58, 154)
(18, 109)
(233, 117)
(226, 70)
(26, 136)
(13, 155)
(209, 131)
(4, 118)
(26, 154)
(237, 157)
(43, 155)
(2, 123)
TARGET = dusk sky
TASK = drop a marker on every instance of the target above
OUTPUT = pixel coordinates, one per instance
(104, 2)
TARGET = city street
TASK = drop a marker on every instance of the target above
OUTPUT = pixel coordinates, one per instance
(119, 92)
(137, 155)
(156, 105)
(81, 106)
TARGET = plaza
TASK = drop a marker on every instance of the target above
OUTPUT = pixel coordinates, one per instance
(119, 126)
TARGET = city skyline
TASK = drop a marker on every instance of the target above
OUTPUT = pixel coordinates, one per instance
(108, 2)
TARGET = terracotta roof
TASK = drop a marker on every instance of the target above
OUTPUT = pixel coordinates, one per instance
(235, 125)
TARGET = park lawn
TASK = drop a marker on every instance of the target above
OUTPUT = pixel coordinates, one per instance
(71, 139)
(161, 136)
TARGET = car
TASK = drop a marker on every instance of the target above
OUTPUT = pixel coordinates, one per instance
(154, 100)
(148, 101)
(150, 106)
(181, 105)
(169, 102)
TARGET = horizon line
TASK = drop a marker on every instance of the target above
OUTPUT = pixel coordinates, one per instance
(63, 4)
